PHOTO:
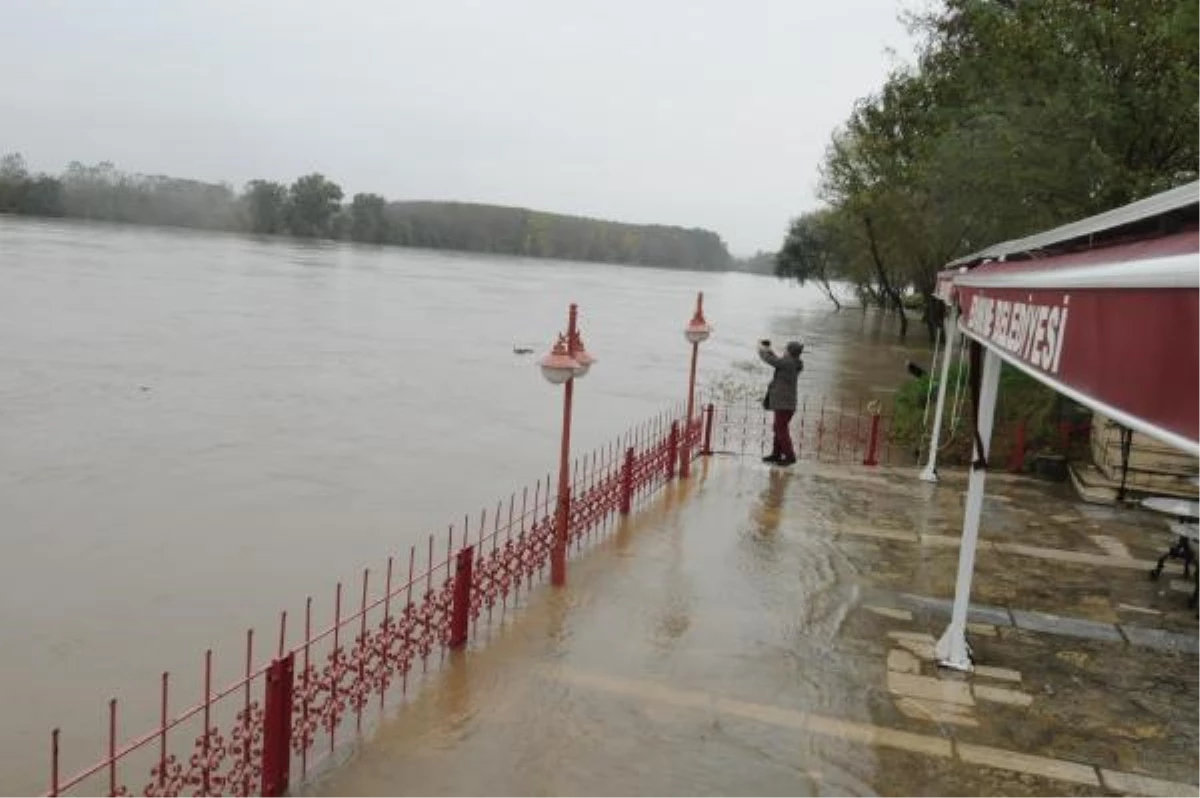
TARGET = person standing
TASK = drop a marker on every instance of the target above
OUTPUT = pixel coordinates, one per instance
(782, 397)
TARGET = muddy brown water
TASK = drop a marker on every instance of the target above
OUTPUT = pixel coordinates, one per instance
(198, 430)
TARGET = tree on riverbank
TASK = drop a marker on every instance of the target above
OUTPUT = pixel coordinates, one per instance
(809, 254)
(1017, 116)
(312, 207)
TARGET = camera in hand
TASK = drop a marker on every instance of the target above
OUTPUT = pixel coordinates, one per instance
(766, 342)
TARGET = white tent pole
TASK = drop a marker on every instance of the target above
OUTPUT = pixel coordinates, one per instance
(952, 649)
(937, 346)
(951, 322)
(958, 383)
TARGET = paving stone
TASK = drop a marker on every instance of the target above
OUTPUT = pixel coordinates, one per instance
(983, 613)
(889, 612)
(1097, 513)
(1113, 547)
(915, 743)
(877, 735)
(1076, 557)
(945, 541)
(984, 629)
(937, 712)
(927, 687)
(882, 534)
(903, 661)
(980, 613)
(1133, 608)
(1024, 763)
(992, 672)
(1135, 784)
(924, 603)
(1160, 639)
(1069, 627)
(1002, 695)
(925, 651)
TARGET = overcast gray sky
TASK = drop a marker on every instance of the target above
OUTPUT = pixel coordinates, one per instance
(706, 114)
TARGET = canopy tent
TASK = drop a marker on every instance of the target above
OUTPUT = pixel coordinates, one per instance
(1111, 322)
(1133, 219)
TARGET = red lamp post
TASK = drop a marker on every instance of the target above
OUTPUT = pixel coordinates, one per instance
(696, 332)
(568, 359)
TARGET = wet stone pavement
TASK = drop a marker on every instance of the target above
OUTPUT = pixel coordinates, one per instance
(761, 632)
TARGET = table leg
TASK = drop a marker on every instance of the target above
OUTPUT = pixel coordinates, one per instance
(1181, 550)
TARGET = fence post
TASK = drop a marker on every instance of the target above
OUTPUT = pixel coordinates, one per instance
(706, 451)
(627, 482)
(1016, 460)
(873, 444)
(672, 449)
(277, 726)
(460, 613)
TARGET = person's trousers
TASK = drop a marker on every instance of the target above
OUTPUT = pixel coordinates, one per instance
(782, 446)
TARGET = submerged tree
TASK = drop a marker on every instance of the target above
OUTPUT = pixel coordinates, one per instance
(808, 254)
(26, 193)
(266, 207)
(368, 219)
(313, 200)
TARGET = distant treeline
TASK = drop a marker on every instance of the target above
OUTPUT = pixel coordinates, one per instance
(760, 262)
(313, 207)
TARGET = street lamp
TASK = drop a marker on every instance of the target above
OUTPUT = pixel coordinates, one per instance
(567, 361)
(558, 366)
(696, 332)
(583, 358)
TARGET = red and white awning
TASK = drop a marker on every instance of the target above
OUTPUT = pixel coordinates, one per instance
(945, 284)
(1115, 328)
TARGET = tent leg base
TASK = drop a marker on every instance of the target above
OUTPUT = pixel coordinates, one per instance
(929, 475)
(954, 652)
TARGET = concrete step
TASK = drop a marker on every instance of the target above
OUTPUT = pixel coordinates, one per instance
(1095, 487)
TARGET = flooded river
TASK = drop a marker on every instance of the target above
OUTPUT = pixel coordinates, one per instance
(197, 430)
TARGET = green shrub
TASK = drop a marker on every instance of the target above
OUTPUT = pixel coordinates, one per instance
(1021, 398)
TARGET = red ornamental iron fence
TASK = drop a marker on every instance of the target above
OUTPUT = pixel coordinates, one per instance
(822, 430)
(863, 432)
(287, 716)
